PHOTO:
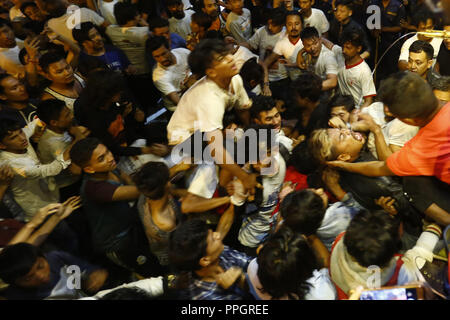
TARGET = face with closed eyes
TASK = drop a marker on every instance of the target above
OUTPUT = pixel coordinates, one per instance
(38, 275)
(346, 144)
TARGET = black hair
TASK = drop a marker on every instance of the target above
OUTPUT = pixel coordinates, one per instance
(100, 87)
(48, 58)
(354, 36)
(151, 179)
(307, 85)
(202, 57)
(293, 13)
(7, 126)
(407, 95)
(419, 45)
(340, 100)
(56, 8)
(188, 244)
(82, 150)
(4, 22)
(25, 5)
(17, 260)
(252, 70)
(346, 3)
(202, 20)
(422, 16)
(173, 2)
(303, 211)
(441, 83)
(50, 109)
(3, 76)
(133, 293)
(154, 43)
(125, 12)
(265, 138)
(372, 238)
(278, 16)
(285, 263)
(302, 160)
(157, 22)
(308, 33)
(261, 104)
(89, 64)
(81, 32)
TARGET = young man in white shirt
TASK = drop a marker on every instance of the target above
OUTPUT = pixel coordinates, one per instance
(423, 20)
(239, 22)
(180, 22)
(354, 77)
(319, 59)
(9, 51)
(288, 47)
(202, 107)
(171, 72)
(313, 17)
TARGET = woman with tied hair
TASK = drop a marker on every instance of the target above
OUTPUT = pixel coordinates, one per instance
(287, 268)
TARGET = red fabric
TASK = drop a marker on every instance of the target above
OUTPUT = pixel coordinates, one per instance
(428, 153)
(392, 281)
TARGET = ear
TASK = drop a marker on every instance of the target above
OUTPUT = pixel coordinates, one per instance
(257, 121)
(359, 49)
(53, 123)
(204, 262)
(429, 63)
(344, 157)
(211, 73)
(88, 169)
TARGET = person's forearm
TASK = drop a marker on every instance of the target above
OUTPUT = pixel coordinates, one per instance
(24, 234)
(365, 55)
(193, 203)
(391, 29)
(383, 150)
(329, 84)
(40, 235)
(3, 188)
(367, 102)
(437, 214)
(370, 169)
(322, 253)
(226, 221)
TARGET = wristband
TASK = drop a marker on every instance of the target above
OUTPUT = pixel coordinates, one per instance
(434, 228)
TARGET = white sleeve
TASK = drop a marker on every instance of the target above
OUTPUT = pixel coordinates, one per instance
(321, 286)
(239, 91)
(92, 16)
(367, 85)
(204, 181)
(152, 286)
(399, 133)
(164, 85)
(255, 40)
(324, 25)
(331, 64)
(404, 51)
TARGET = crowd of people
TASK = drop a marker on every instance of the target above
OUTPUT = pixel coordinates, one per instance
(222, 150)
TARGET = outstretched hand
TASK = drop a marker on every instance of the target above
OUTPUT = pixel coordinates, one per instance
(69, 206)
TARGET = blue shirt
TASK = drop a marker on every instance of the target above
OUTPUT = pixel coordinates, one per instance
(114, 58)
(177, 41)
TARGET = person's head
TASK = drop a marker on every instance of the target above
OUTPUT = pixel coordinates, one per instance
(55, 114)
(285, 263)
(55, 8)
(424, 20)
(24, 265)
(352, 43)
(213, 58)
(447, 40)
(88, 37)
(420, 57)
(200, 22)
(303, 210)
(293, 24)
(92, 156)
(128, 293)
(311, 41)
(372, 238)
(159, 27)
(175, 8)
(264, 111)
(210, 7)
(306, 89)
(336, 144)
(341, 106)
(236, 6)
(252, 73)
(305, 5)
(441, 87)
(260, 148)
(344, 10)
(158, 47)
(193, 246)
(103, 88)
(7, 37)
(276, 20)
(56, 69)
(12, 137)
(408, 97)
(125, 12)
(31, 11)
(12, 90)
(152, 179)
(302, 160)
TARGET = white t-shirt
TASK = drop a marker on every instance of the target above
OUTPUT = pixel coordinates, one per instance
(202, 108)
(289, 51)
(263, 40)
(170, 79)
(131, 40)
(355, 80)
(181, 27)
(9, 60)
(404, 52)
(107, 10)
(242, 55)
(326, 63)
(204, 180)
(240, 27)
(63, 25)
(317, 20)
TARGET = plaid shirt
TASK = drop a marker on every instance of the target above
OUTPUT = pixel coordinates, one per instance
(203, 290)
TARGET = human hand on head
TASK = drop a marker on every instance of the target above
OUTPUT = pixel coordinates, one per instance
(336, 122)
(387, 203)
